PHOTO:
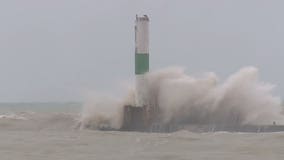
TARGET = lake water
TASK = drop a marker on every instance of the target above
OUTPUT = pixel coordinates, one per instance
(47, 131)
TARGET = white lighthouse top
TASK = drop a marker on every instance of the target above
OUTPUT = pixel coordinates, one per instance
(142, 35)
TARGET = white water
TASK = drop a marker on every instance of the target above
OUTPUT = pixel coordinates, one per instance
(240, 99)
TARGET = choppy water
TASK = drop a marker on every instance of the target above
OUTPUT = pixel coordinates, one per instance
(42, 131)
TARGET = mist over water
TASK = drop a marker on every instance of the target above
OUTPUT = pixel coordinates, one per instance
(102, 111)
(241, 99)
(50, 130)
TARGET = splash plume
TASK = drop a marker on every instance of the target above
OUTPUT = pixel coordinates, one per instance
(242, 99)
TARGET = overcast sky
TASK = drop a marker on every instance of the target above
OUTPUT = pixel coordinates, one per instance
(57, 50)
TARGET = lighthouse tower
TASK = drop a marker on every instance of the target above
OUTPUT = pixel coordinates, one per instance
(137, 117)
(141, 59)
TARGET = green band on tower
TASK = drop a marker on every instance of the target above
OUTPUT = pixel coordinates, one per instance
(141, 63)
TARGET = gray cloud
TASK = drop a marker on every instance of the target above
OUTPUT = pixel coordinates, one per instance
(58, 50)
